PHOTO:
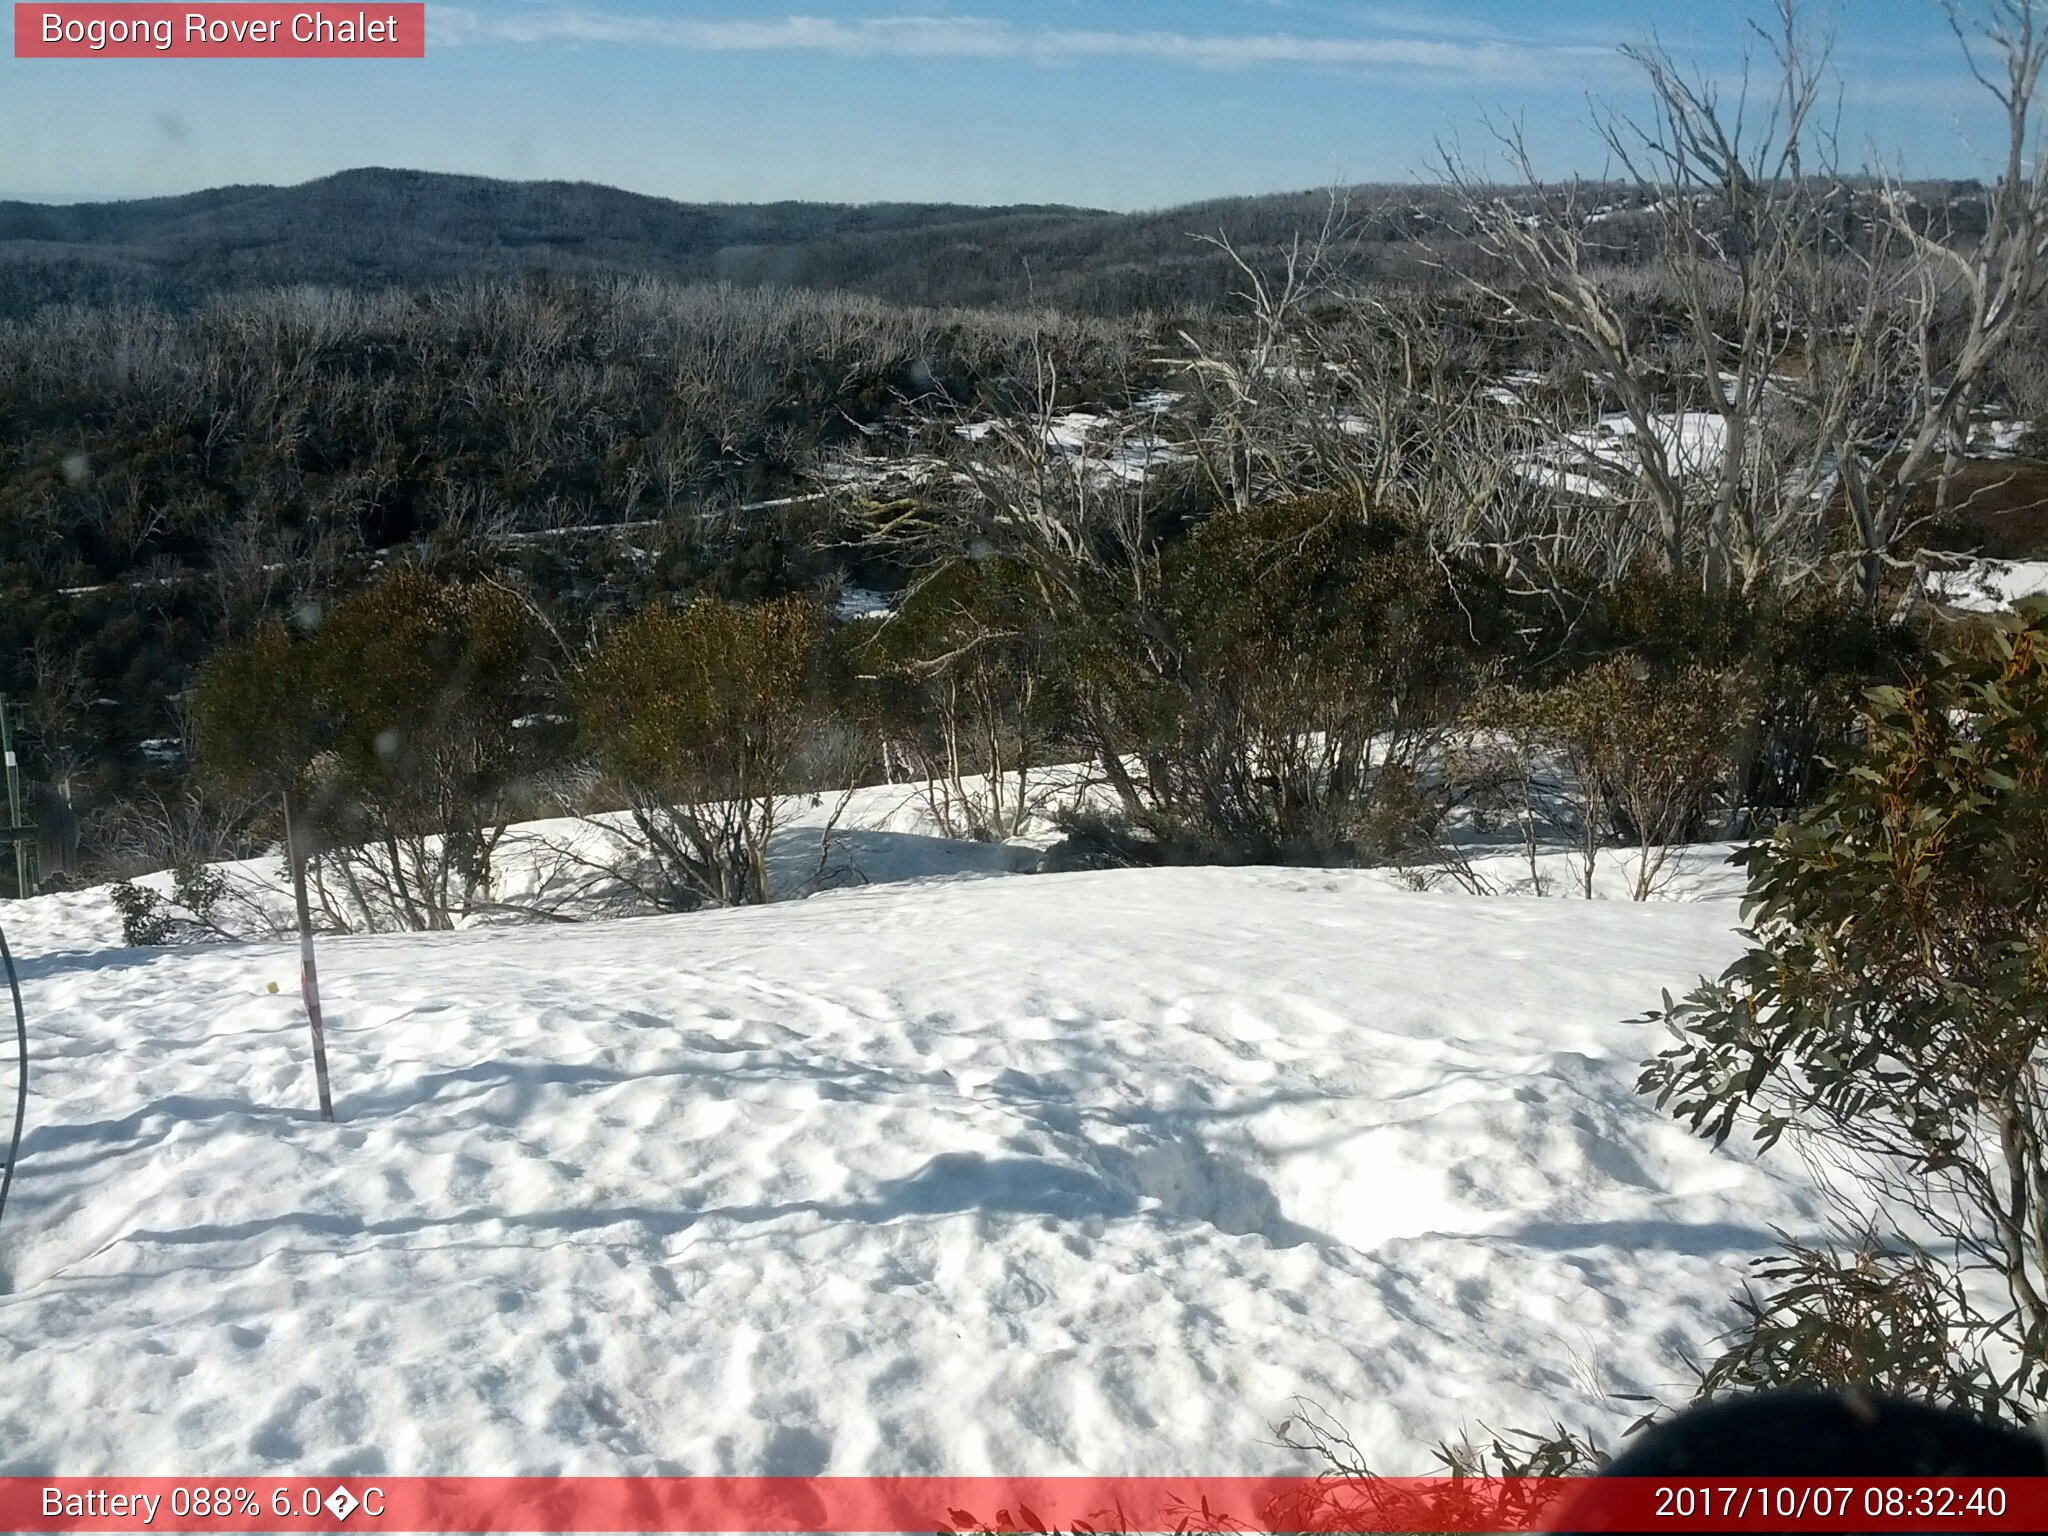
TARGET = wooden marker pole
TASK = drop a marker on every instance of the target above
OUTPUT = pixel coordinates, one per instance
(309, 975)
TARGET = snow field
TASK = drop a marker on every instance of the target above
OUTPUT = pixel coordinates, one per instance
(1074, 1173)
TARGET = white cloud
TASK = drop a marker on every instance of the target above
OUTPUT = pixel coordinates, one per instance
(983, 38)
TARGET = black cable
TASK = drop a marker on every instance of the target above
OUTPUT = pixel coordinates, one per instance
(21, 1089)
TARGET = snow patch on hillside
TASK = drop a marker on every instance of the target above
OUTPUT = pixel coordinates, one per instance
(1602, 462)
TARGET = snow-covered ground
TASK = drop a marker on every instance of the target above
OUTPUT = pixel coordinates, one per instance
(1992, 436)
(862, 603)
(1107, 445)
(1601, 462)
(1035, 1174)
(1975, 585)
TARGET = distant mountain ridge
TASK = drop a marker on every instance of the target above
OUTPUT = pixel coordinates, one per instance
(377, 227)
(373, 227)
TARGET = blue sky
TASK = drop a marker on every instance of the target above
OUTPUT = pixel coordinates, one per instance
(1111, 103)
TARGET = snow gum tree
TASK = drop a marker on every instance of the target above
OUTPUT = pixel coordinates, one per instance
(1890, 1019)
(1830, 333)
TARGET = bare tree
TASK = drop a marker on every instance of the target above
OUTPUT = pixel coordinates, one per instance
(1927, 367)
(1834, 334)
(1729, 198)
(1053, 501)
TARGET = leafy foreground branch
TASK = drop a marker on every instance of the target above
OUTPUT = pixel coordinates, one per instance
(1889, 1019)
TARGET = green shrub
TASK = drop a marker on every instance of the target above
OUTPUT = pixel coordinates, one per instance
(1804, 661)
(403, 725)
(1619, 753)
(187, 912)
(1283, 697)
(257, 714)
(1816, 655)
(1872, 1317)
(969, 687)
(701, 718)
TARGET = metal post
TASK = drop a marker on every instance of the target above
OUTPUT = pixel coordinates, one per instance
(309, 975)
(19, 828)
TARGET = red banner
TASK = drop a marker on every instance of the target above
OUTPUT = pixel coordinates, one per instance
(1086, 1505)
(220, 31)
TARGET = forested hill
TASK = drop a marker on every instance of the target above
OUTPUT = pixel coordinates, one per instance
(383, 228)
